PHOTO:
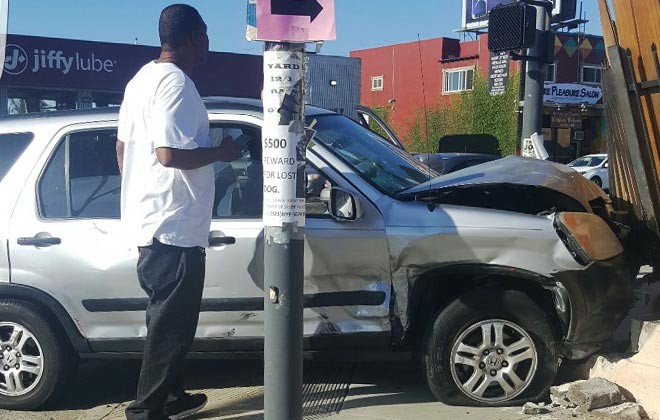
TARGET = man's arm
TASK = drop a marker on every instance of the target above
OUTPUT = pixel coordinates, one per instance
(120, 156)
(196, 158)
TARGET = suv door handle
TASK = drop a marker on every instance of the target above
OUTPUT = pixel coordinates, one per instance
(222, 240)
(39, 241)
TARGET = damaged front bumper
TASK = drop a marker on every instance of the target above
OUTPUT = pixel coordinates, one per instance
(599, 297)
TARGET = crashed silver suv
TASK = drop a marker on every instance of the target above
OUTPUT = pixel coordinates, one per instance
(491, 274)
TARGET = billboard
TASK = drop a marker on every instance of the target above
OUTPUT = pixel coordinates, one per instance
(475, 12)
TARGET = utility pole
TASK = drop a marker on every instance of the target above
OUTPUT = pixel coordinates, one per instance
(285, 26)
(284, 219)
(535, 76)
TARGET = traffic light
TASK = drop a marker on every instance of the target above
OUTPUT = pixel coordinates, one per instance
(511, 27)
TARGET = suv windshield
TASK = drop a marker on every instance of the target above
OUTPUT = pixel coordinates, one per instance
(380, 163)
(11, 147)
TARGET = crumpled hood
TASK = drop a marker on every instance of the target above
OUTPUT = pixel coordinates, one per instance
(514, 170)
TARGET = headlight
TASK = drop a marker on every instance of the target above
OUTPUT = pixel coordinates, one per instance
(587, 237)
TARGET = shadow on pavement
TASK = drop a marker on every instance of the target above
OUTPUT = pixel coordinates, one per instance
(235, 389)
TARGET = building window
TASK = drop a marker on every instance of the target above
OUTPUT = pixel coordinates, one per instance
(551, 72)
(377, 83)
(458, 80)
(592, 74)
(17, 106)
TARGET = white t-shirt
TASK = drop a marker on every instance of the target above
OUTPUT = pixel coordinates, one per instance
(162, 108)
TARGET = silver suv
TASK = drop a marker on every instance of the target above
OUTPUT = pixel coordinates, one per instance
(490, 274)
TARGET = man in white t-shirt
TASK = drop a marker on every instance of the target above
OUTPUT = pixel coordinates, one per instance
(167, 195)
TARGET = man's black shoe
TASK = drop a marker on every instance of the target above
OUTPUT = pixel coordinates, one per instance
(185, 406)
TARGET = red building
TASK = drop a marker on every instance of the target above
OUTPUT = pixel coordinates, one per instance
(408, 77)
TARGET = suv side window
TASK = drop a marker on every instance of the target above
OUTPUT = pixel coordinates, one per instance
(239, 184)
(11, 148)
(317, 193)
(82, 179)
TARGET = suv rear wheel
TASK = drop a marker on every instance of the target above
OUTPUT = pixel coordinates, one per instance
(34, 363)
(490, 349)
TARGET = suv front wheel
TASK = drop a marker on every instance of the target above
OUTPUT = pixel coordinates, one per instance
(489, 347)
(34, 363)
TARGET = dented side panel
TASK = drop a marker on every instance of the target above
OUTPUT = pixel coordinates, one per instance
(454, 235)
(598, 295)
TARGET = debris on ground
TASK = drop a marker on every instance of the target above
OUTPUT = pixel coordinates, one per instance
(595, 398)
(531, 408)
(595, 393)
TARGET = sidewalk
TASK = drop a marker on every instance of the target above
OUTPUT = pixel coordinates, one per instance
(235, 389)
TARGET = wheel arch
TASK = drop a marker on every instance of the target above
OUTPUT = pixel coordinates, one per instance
(52, 310)
(434, 289)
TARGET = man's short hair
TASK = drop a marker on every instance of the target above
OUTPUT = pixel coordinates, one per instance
(176, 24)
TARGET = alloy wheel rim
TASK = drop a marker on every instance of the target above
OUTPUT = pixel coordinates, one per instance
(21, 360)
(493, 361)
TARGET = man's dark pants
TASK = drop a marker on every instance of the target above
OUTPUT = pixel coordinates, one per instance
(173, 278)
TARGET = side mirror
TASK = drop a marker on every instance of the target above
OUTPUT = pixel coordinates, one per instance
(343, 205)
(606, 165)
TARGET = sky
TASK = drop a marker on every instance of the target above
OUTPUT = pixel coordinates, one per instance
(360, 23)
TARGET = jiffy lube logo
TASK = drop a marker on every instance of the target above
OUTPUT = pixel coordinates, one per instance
(17, 61)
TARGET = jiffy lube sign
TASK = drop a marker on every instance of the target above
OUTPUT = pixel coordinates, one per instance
(17, 61)
(36, 61)
(283, 144)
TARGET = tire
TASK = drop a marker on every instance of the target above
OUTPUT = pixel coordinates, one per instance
(596, 180)
(467, 320)
(36, 358)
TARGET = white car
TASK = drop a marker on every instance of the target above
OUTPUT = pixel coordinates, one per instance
(595, 168)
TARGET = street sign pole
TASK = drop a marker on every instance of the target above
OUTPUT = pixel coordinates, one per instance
(284, 218)
(535, 77)
(285, 26)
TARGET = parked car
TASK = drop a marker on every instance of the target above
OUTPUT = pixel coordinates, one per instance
(491, 274)
(593, 167)
(446, 163)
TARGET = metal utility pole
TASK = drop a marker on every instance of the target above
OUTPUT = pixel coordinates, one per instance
(284, 219)
(536, 57)
(285, 26)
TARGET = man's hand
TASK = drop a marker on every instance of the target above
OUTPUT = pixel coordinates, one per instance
(228, 150)
(183, 159)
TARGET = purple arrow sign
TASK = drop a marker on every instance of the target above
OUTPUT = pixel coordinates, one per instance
(296, 20)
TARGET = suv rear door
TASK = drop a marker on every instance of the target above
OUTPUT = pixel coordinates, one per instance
(65, 236)
(12, 146)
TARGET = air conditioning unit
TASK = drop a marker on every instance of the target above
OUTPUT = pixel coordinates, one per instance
(578, 135)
